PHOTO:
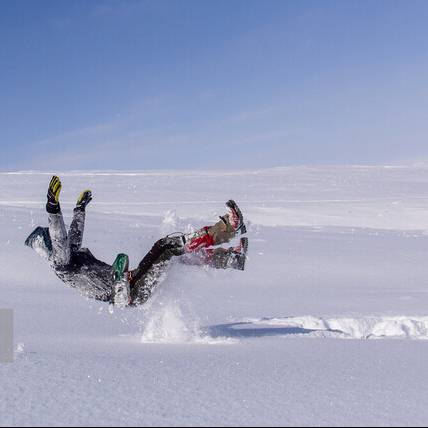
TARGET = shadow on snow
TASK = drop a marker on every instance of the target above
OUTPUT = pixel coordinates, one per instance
(237, 331)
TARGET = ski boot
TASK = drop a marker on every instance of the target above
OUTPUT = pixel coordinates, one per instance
(122, 291)
(52, 205)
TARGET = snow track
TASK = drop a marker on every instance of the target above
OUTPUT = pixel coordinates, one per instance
(340, 328)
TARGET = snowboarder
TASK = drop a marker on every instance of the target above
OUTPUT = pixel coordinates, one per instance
(116, 284)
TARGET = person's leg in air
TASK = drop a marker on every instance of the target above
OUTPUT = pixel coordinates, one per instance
(64, 244)
(78, 224)
(57, 230)
(195, 250)
(198, 247)
(229, 226)
(144, 279)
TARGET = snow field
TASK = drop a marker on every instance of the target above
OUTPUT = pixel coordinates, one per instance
(335, 253)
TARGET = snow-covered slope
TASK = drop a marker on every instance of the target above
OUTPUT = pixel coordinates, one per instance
(335, 253)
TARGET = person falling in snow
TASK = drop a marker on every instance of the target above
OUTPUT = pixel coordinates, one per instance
(117, 284)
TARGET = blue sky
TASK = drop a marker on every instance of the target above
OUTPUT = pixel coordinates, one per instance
(212, 84)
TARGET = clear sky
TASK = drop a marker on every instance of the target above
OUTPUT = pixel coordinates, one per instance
(212, 84)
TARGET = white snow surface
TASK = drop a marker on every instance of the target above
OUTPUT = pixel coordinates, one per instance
(328, 326)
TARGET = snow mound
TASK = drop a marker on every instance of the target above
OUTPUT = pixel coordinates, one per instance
(403, 327)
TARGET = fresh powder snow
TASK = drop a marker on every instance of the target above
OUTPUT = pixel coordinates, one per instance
(327, 326)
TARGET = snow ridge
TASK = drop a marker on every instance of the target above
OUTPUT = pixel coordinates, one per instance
(370, 327)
